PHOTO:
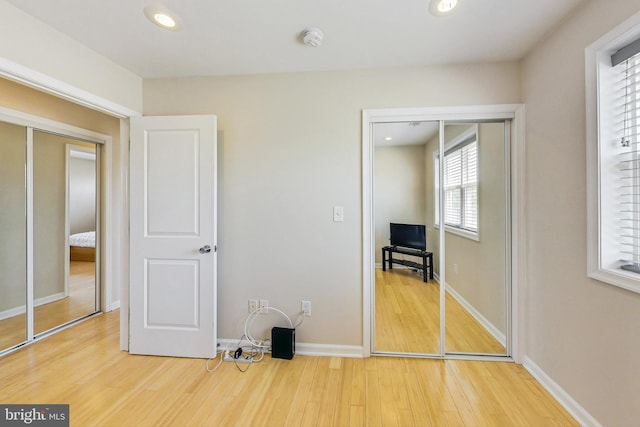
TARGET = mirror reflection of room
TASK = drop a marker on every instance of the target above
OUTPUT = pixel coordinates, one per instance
(476, 238)
(406, 189)
(407, 309)
(63, 197)
(64, 230)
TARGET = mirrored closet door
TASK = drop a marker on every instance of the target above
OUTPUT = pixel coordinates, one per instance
(13, 235)
(64, 225)
(407, 308)
(49, 224)
(441, 225)
(476, 217)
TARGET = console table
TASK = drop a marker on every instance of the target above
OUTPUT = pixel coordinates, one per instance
(427, 260)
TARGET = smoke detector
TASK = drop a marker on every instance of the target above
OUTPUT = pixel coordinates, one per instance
(312, 37)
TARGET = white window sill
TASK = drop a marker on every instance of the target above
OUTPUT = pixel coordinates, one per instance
(460, 232)
(623, 279)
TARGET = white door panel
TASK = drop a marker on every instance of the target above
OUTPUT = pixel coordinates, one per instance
(172, 183)
(173, 215)
(171, 294)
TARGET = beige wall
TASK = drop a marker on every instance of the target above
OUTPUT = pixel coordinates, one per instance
(290, 150)
(399, 190)
(49, 187)
(21, 98)
(582, 333)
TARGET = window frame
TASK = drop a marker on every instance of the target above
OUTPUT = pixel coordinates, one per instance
(598, 75)
(467, 137)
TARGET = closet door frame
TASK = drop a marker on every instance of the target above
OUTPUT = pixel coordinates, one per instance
(513, 112)
(32, 122)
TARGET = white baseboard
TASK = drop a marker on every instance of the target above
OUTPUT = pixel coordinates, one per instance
(16, 311)
(307, 349)
(574, 408)
(332, 350)
(113, 306)
(226, 343)
(490, 327)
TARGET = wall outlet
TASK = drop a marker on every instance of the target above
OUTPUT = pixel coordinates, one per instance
(306, 307)
(455, 268)
(253, 305)
(263, 304)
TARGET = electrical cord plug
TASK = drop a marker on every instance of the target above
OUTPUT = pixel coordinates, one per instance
(237, 353)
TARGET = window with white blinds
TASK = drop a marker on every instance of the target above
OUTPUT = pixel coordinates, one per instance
(627, 123)
(612, 76)
(460, 186)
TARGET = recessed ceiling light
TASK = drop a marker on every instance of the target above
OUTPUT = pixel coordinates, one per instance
(164, 20)
(162, 17)
(388, 138)
(442, 7)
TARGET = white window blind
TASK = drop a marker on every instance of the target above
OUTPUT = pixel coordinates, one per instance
(627, 123)
(470, 185)
(453, 189)
(460, 187)
(612, 76)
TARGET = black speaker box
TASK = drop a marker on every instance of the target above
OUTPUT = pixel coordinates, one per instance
(283, 343)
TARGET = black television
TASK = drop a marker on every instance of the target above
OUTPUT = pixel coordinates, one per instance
(408, 236)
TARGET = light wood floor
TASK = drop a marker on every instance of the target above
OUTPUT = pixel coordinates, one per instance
(408, 318)
(83, 367)
(79, 303)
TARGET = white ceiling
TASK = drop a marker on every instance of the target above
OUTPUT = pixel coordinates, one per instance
(404, 133)
(257, 36)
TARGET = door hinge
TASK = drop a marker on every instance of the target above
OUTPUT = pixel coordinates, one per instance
(215, 248)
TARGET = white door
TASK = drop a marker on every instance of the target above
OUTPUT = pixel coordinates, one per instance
(173, 236)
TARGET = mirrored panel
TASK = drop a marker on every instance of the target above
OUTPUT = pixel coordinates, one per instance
(441, 216)
(13, 235)
(64, 223)
(407, 298)
(476, 220)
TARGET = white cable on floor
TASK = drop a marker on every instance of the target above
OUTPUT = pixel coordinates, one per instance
(255, 343)
(219, 363)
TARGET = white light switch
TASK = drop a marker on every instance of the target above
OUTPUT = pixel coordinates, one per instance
(338, 214)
